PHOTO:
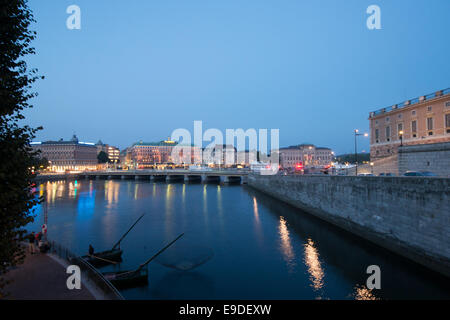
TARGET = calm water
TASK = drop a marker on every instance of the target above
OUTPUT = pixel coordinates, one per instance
(262, 248)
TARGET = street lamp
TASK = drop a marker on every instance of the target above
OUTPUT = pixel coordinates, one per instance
(356, 132)
(401, 137)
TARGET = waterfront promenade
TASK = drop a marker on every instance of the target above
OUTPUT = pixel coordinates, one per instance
(43, 277)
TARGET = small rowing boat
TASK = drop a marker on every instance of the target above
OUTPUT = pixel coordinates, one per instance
(112, 256)
(134, 278)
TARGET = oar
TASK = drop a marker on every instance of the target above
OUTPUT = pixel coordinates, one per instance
(118, 242)
(109, 261)
(158, 253)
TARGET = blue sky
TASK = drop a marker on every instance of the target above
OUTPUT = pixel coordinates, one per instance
(139, 69)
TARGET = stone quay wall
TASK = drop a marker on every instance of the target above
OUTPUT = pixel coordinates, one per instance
(407, 215)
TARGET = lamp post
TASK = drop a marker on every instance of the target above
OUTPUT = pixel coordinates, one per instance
(357, 134)
(401, 137)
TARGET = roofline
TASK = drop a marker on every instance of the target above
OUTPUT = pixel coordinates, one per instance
(431, 96)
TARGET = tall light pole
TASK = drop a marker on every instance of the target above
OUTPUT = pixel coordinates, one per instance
(401, 137)
(357, 134)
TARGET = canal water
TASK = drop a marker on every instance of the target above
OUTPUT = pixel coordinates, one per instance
(263, 249)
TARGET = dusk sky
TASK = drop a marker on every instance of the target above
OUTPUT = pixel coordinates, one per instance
(139, 69)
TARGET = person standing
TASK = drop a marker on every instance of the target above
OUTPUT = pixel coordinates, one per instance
(91, 250)
(31, 239)
(36, 241)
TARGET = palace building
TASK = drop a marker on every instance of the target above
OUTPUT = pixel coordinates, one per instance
(423, 120)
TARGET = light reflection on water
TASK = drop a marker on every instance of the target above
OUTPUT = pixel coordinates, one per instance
(286, 246)
(314, 266)
(263, 249)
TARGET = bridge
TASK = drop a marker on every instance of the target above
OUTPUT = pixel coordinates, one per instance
(174, 175)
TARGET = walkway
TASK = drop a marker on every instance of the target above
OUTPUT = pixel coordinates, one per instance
(42, 277)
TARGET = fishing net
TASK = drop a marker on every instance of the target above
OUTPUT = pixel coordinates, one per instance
(185, 256)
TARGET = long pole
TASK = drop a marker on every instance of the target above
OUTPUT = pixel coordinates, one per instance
(118, 242)
(159, 252)
(356, 154)
(45, 214)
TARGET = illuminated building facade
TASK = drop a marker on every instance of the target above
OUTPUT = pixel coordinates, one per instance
(423, 120)
(220, 155)
(151, 154)
(305, 156)
(112, 152)
(71, 155)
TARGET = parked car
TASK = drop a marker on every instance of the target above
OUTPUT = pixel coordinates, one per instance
(365, 174)
(419, 174)
(387, 174)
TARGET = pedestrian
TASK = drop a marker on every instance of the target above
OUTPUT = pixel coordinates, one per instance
(91, 250)
(39, 240)
(36, 240)
(31, 242)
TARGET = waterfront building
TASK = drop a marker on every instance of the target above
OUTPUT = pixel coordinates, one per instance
(411, 136)
(159, 154)
(305, 156)
(125, 158)
(71, 155)
(246, 158)
(418, 121)
(112, 152)
(220, 155)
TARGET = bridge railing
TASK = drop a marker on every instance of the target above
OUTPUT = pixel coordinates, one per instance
(91, 274)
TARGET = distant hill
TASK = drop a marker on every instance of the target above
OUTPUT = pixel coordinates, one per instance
(350, 157)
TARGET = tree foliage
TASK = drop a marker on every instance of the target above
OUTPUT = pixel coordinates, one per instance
(102, 157)
(17, 193)
(350, 157)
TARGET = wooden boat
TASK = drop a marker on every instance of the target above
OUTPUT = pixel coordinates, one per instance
(127, 279)
(112, 256)
(134, 278)
(104, 258)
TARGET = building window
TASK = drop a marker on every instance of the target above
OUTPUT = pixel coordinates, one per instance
(414, 128)
(399, 128)
(400, 116)
(430, 109)
(413, 113)
(387, 119)
(447, 122)
(388, 133)
(377, 134)
(447, 104)
(429, 124)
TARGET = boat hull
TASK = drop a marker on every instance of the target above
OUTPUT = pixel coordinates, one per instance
(127, 279)
(109, 255)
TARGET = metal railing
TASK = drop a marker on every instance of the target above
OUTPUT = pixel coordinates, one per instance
(91, 274)
(413, 101)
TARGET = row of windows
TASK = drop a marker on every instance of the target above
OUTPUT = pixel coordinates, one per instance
(413, 112)
(429, 126)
